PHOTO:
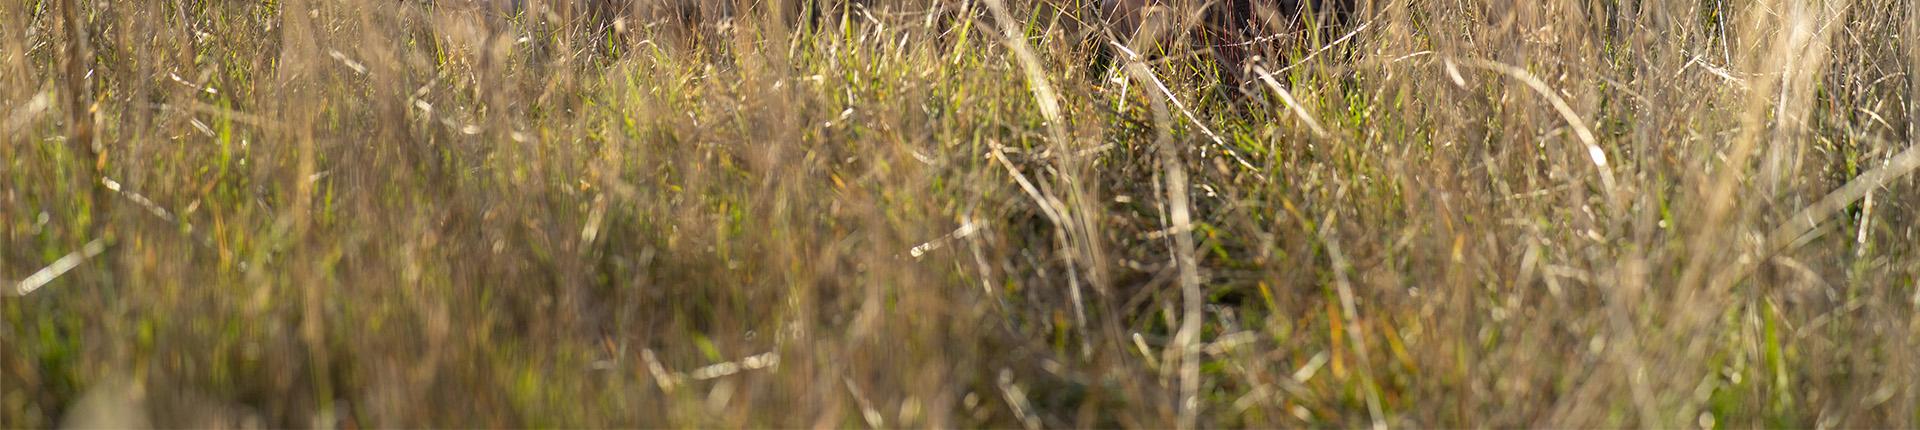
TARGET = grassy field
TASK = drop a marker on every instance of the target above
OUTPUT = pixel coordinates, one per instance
(954, 213)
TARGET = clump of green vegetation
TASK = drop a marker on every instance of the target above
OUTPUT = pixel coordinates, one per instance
(934, 213)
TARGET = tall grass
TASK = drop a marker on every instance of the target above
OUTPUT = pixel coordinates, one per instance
(921, 213)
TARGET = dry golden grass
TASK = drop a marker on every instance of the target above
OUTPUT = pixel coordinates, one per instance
(936, 213)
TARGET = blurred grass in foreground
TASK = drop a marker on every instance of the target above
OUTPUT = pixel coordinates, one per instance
(1565, 213)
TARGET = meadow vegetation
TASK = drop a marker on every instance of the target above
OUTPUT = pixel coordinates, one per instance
(958, 213)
